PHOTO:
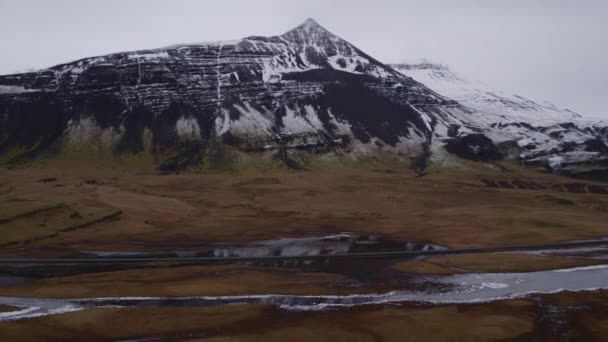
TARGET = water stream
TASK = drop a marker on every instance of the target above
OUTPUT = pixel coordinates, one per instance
(464, 288)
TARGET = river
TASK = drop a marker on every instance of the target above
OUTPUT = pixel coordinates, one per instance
(464, 288)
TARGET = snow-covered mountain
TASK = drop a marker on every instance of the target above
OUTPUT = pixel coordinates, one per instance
(481, 97)
(304, 90)
(543, 132)
(307, 83)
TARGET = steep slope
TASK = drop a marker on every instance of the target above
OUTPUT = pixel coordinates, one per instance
(545, 134)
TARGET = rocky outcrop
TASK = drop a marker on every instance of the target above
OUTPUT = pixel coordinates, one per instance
(474, 147)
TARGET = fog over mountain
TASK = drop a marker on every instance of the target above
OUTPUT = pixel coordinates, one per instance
(544, 50)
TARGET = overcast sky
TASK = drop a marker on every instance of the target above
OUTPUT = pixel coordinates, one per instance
(555, 50)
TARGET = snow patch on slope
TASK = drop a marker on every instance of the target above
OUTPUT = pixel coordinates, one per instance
(149, 56)
(188, 128)
(251, 123)
(294, 122)
(86, 130)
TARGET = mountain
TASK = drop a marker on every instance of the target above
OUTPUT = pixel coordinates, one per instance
(544, 133)
(283, 96)
(481, 97)
(171, 101)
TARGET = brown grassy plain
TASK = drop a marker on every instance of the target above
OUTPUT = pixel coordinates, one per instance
(450, 207)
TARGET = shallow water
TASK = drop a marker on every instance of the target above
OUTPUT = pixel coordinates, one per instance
(467, 288)
(596, 252)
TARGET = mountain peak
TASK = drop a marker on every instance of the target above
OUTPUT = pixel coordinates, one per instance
(309, 31)
(311, 23)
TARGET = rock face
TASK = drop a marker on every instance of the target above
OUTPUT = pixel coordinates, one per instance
(308, 87)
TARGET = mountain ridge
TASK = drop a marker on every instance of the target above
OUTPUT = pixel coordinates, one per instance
(544, 132)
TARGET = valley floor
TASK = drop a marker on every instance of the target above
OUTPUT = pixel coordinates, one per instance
(50, 212)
